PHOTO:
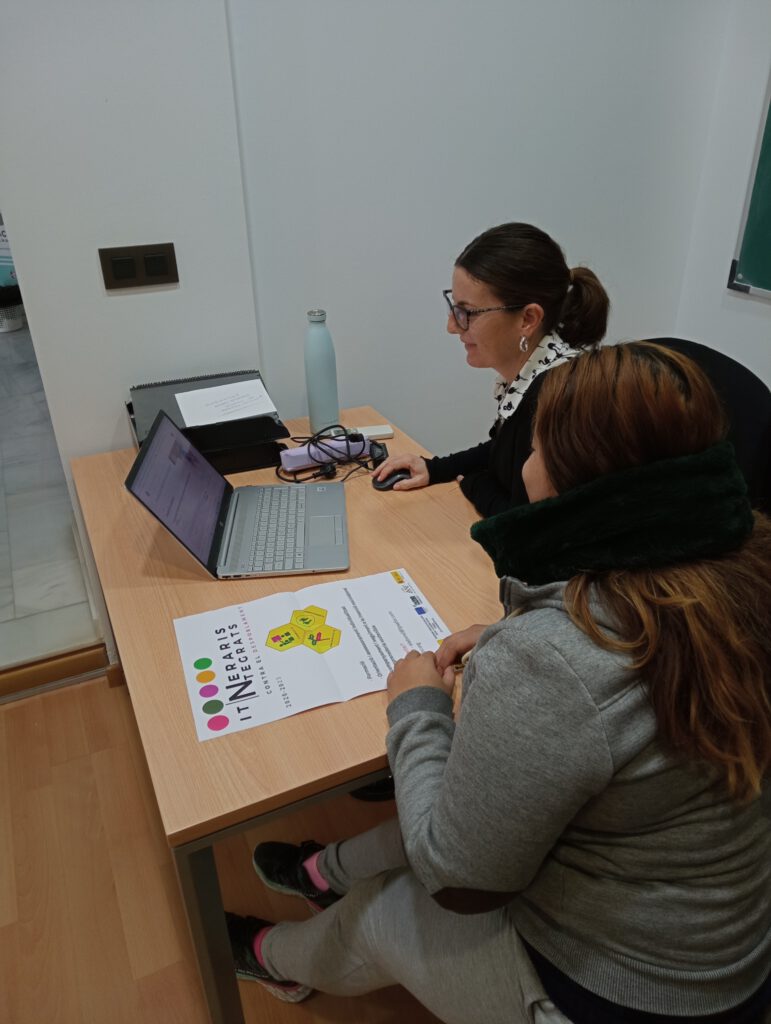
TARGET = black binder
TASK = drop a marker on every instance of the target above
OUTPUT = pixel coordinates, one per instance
(231, 445)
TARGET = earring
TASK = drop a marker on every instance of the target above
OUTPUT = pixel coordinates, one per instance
(523, 343)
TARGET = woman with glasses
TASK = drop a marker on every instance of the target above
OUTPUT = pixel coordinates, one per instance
(589, 840)
(519, 310)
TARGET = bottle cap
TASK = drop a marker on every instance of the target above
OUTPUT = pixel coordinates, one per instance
(317, 315)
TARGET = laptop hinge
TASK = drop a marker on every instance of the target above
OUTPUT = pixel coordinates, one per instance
(229, 530)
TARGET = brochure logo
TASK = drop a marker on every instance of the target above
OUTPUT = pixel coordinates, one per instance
(307, 628)
(212, 705)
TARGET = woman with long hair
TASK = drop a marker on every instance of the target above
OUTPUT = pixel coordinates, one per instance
(518, 309)
(590, 841)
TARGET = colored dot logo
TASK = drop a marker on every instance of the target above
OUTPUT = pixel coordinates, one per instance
(212, 706)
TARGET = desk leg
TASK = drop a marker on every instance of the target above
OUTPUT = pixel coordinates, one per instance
(198, 880)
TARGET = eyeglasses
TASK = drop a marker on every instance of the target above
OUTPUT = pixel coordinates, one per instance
(462, 315)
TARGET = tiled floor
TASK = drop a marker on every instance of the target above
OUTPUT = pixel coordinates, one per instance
(43, 604)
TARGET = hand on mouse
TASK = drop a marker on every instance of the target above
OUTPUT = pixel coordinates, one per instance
(416, 465)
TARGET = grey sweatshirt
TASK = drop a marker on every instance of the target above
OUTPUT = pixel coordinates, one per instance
(635, 873)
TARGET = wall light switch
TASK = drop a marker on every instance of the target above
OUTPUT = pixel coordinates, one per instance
(124, 268)
(139, 266)
(156, 264)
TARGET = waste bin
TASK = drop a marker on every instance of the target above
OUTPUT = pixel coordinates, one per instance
(11, 307)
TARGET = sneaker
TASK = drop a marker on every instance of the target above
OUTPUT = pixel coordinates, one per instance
(242, 931)
(280, 866)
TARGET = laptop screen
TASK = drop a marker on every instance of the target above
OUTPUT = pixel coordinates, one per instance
(179, 486)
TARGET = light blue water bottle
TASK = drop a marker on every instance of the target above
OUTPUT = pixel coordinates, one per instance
(320, 373)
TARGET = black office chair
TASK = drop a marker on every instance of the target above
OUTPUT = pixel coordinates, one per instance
(747, 402)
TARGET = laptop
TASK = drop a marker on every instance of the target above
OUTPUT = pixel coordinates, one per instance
(273, 530)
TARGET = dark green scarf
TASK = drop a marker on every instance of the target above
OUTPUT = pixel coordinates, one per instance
(675, 510)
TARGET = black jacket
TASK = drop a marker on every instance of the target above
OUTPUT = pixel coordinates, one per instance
(492, 471)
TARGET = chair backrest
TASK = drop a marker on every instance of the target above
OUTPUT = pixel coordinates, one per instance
(747, 401)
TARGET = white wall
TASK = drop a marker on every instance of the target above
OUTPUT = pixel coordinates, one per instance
(378, 139)
(710, 312)
(118, 128)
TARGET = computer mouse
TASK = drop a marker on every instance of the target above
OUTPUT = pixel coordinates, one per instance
(393, 478)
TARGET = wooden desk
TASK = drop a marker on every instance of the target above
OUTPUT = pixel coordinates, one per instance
(207, 790)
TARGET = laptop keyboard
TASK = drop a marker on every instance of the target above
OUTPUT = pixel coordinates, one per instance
(278, 541)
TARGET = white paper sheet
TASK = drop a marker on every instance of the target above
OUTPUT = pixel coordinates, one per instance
(225, 402)
(253, 663)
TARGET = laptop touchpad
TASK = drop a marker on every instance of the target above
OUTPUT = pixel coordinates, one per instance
(322, 530)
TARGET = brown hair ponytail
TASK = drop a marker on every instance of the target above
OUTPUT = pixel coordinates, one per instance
(522, 264)
(584, 317)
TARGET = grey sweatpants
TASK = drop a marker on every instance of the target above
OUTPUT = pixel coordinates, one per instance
(467, 969)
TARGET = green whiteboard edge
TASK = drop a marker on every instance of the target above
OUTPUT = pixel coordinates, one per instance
(751, 271)
(732, 282)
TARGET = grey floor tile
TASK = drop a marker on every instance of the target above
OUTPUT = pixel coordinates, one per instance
(5, 551)
(40, 525)
(16, 349)
(43, 604)
(24, 416)
(7, 608)
(28, 449)
(21, 380)
(53, 632)
(41, 588)
(19, 477)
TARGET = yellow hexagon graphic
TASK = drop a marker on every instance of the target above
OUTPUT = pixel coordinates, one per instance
(322, 639)
(308, 628)
(309, 618)
(284, 637)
